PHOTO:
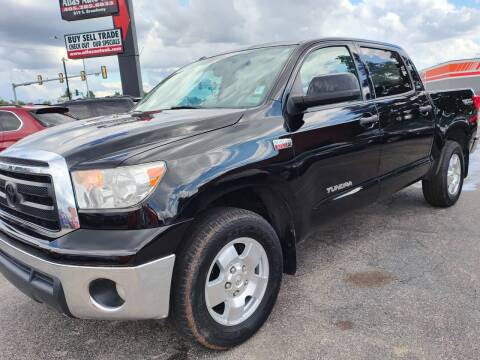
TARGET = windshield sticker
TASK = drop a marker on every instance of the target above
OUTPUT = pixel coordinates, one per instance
(259, 90)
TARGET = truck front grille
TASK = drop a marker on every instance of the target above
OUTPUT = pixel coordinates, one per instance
(33, 201)
(37, 203)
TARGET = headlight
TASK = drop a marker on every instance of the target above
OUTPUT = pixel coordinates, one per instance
(121, 187)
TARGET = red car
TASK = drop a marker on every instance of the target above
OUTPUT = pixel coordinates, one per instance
(17, 122)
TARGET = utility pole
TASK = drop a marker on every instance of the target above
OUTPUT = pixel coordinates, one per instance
(66, 79)
(14, 88)
(129, 62)
(86, 79)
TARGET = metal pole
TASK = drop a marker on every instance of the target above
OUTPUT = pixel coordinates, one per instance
(128, 62)
(66, 80)
(86, 78)
(14, 88)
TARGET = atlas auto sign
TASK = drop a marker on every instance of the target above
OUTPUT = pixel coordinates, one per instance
(72, 10)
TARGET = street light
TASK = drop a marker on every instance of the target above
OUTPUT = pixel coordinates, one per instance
(66, 79)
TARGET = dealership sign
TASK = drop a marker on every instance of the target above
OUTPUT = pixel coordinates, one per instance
(86, 9)
(94, 44)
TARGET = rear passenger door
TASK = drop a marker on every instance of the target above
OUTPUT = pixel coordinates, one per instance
(406, 117)
(338, 146)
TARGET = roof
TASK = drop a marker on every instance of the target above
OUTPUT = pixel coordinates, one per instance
(27, 107)
(452, 69)
(305, 42)
(450, 62)
(99, 99)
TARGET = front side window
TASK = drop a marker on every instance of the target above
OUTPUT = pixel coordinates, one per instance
(388, 72)
(324, 61)
(236, 80)
(9, 122)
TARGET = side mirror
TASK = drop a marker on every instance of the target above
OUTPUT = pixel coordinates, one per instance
(328, 89)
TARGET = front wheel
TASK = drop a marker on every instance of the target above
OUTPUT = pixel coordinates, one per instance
(445, 188)
(227, 278)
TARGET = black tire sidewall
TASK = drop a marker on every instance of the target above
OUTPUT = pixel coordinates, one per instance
(228, 336)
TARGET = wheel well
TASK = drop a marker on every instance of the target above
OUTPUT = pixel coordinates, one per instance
(271, 209)
(459, 135)
(244, 199)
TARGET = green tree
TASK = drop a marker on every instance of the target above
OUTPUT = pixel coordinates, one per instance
(91, 94)
(64, 97)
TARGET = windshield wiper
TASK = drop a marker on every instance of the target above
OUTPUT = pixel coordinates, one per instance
(180, 107)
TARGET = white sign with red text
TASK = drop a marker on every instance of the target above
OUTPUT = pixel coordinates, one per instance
(94, 44)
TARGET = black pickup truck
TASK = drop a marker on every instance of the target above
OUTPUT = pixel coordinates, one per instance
(191, 205)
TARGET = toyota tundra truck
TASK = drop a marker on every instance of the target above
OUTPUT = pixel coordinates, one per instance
(190, 206)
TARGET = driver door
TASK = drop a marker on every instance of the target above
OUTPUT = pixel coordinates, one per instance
(338, 146)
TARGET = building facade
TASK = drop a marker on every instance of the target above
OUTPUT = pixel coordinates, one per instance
(456, 74)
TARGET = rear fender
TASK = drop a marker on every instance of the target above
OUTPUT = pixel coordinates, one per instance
(442, 135)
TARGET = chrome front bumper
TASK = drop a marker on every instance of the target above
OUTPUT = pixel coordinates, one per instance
(145, 289)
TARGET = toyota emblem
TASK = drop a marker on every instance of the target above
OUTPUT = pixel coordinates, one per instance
(12, 195)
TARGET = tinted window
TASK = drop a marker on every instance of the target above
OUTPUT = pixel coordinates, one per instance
(325, 61)
(388, 72)
(113, 107)
(413, 73)
(52, 119)
(9, 122)
(89, 109)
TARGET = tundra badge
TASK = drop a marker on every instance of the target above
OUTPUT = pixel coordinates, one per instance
(338, 187)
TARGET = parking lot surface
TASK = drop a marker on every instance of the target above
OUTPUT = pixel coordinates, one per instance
(396, 280)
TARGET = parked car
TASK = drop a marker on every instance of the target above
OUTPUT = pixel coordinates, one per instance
(89, 108)
(17, 122)
(192, 204)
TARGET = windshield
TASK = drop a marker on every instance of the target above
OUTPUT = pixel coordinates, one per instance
(237, 80)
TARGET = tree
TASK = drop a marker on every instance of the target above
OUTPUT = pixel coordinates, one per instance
(91, 94)
(65, 96)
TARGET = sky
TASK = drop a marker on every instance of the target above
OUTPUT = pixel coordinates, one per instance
(172, 33)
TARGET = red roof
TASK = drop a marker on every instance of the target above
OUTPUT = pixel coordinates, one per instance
(452, 69)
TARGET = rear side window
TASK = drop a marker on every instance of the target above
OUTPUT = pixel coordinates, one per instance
(9, 122)
(388, 72)
(52, 119)
(89, 109)
(119, 106)
(324, 61)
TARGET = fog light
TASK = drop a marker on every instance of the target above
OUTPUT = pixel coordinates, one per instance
(106, 294)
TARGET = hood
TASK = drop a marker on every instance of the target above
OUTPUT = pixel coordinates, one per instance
(109, 140)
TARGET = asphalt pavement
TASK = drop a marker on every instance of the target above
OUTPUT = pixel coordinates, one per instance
(396, 280)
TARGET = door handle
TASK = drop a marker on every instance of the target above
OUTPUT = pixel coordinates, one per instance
(425, 110)
(369, 120)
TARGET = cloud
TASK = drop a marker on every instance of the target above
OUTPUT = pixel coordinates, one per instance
(176, 32)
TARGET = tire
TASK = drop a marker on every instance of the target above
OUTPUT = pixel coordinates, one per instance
(436, 190)
(215, 233)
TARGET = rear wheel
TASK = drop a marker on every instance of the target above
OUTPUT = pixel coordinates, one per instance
(227, 278)
(445, 188)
